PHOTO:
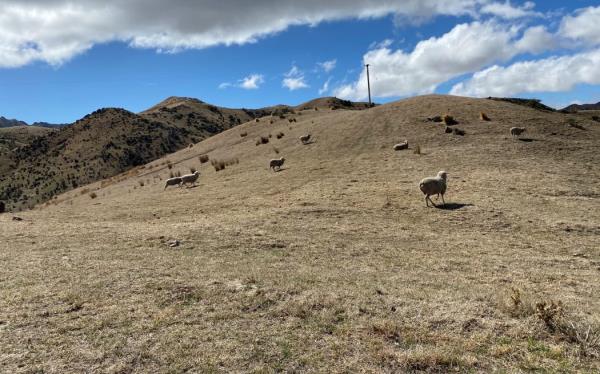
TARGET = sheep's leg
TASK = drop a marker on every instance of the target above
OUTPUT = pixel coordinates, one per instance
(443, 199)
(432, 203)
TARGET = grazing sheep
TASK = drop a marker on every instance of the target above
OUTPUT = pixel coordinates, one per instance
(516, 131)
(434, 186)
(277, 162)
(190, 178)
(173, 182)
(401, 146)
(305, 139)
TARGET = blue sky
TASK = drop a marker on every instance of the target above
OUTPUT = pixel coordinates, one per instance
(60, 60)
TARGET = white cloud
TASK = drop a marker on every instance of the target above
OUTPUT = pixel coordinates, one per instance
(294, 79)
(382, 44)
(508, 11)
(327, 66)
(466, 48)
(584, 26)
(325, 86)
(554, 74)
(54, 31)
(536, 39)
(225, 85)
(252, 82)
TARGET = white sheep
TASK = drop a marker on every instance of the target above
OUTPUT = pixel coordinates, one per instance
(173, 181)
(305, 138)
(434, 186)
(190, 178)
(516, 131)
(401, 146)
(276, 162)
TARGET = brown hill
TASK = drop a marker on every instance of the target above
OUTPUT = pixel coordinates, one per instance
(333, 264)
(332, 103)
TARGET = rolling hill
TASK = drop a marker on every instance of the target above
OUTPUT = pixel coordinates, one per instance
(332, 264)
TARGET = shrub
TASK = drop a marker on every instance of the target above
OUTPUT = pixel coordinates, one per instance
(2, 207)
(218, 165)
(417, 150)
(484, 117)
(262, 140)
(280, 135)
(191, 145)
(244, 134)
(459, 132)
(93, 195)
(169, 164)
(84, 191)
(257, 120)
(141, 183)
(203, 158)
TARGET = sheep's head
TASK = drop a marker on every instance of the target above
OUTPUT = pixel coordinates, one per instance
(196, 172)
(442, 174)
(282, 159)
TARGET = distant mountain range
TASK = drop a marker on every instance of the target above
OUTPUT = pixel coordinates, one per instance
(577, 107)
(5, 122)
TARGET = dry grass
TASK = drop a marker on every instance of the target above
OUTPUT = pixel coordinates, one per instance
(303, 271)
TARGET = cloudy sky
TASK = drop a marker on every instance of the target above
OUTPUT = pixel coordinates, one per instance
(60, 60)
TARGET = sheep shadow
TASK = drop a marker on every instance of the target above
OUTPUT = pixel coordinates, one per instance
(527, 140)
(280, 169)
(452, 206)
(308, 142)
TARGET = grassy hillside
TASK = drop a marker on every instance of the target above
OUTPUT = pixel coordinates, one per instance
(333, 264)
(111, 141)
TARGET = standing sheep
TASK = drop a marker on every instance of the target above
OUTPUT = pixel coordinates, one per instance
(516, 131)
(190, 178)
(173, 181)
(305, 139)
(434, 186)
(277, 162)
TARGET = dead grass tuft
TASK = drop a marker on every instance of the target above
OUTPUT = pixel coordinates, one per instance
(203, 159)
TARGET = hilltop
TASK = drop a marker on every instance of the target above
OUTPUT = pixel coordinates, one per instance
(334, 263)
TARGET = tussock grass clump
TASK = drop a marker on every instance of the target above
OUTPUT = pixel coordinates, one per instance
(257, 120)
(174, 174)
(556, 319)
(417, 149)
(141, 183)
(191, 145)
(262, 140)
(484, 117)
(169, 164)
(203, 159)
(243, 134)
(280, 135)
(449, 120)
(221, 164)
(84, 191)
(276, 150)
(93, 195)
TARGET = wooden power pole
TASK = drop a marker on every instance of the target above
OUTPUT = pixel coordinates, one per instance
(369, 85)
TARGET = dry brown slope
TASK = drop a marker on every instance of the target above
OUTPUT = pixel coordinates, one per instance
(333, 264)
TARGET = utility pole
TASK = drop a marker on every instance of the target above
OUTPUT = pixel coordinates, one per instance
(369, 85)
